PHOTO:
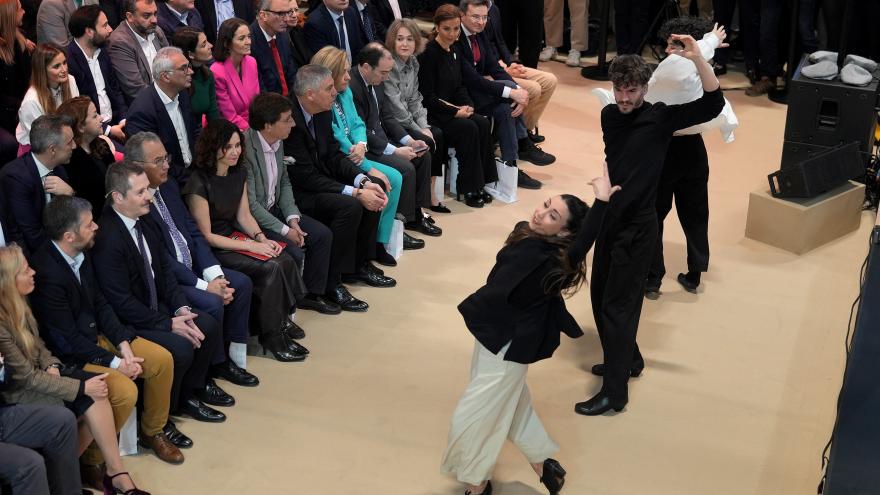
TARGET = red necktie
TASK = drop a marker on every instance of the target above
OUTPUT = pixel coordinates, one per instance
(278, 66)
(475, 47)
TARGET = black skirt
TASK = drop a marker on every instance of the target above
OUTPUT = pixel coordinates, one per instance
(81, 404)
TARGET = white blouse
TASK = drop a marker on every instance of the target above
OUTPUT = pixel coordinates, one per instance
(31, 109)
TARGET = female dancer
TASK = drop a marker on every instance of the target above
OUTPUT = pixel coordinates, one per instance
(516, 319)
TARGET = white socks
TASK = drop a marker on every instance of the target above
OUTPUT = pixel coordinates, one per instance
(238, 354)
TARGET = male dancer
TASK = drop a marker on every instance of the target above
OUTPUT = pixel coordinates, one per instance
(636, 135)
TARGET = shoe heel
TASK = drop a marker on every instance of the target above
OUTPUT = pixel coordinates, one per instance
(618, 409)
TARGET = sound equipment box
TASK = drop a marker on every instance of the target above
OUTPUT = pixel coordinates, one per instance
(822, 172)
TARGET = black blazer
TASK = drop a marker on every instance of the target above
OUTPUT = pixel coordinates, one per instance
(72, 312)
(79, 68)
(440, 79)
(15, 78)
(169, 22)
(120, 270)
(199, 251)
(320, 30)
(147, 113)
(24, 200)
(320, 167)
(495, 37)
(382, 126)
(513, 306)
(268, 73)
(383, 16)
(299, 49)
(244, 9)
(483, 91)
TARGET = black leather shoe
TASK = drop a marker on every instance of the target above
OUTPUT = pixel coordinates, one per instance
(598, 404)
(440, 208)
(526, 182)
(553, 476)
(293, 331)
(486, 491)
(214, 395)
(687, 284)
(368, 274)
(174, 436)
(424, 226)
(277, 345)
(535, 137)
(474, 200)
(382, 256)
(320, 304)
(487, 198)
(652, 291)
(230, 372)
(410, 243)
(635, 371)
(198, 411)
(346, 301)
(529, 152)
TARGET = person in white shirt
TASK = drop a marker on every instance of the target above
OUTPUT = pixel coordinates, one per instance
(51, 85)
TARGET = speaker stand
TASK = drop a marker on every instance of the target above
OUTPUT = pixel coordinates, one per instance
(599, 72)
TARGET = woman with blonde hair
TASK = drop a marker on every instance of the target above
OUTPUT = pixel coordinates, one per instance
(15, 74)
(351, 134)
(36, 374)
(51, 85)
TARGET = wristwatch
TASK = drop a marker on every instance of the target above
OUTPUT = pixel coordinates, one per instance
(363, 182)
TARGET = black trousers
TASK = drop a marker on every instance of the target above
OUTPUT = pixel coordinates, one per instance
(760, 21)
(439, 154)
(631, 23)
(620, 263)
(522, 26)
(233, 317)
(724, 17)
(471, 138)
(190, 364)
(685, 179)
(354, 231)
(415, 191)
(316, 249)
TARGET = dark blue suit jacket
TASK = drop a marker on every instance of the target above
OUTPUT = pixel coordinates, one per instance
(121, 275)
(147, 113)
(72, 312)
(495, 37)
(268, 73)
(199, 250)
(483, 91)
(320, 30)
(169, 22)
(24, 199)
(244, 9)
(79, 68)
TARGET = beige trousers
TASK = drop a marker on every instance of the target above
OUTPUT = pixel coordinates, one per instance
(540, 86)
(553, 13)
(495, 406)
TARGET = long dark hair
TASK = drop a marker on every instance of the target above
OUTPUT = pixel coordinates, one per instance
(77, 108)
(214, 137)
(566, 278)
(187, 39)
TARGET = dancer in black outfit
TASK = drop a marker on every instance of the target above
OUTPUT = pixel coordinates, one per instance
(636, 135)
(516, 319)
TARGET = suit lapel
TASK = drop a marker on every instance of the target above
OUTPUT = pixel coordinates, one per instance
(259, 166)
(142, 59)
(31, 170)
(234, 78)
(165, 121)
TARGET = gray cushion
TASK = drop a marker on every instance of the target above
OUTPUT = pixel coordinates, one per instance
(826, 70)
(854, 75)
(823, 55)
(865, 63)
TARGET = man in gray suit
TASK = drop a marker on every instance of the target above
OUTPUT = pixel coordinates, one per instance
(271, 198)
(134, 44)
(52, 18)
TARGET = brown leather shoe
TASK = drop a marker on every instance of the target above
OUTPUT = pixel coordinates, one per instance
(162, 447)
(92, 475)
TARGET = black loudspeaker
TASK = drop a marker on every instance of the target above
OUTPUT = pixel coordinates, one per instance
(823, 172)
(825, 114)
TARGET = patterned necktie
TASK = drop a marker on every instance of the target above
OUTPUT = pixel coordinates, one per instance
(176, 236)
(148, 270)
(368, 25)
(475, 47)
(278, 66)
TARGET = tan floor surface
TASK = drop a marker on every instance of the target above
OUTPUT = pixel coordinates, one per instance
(737, 398)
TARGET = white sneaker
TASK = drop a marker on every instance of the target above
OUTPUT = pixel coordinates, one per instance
(547, 54)
(574, 58)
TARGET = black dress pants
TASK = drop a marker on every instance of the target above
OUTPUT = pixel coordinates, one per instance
(354, 231)
(620, 263)
(439, 154)
(313, 258)
(631, 23)
(415, 191)
(685, 179)
(190, 364)
(471, 139)
(724, 17)
(522, 26)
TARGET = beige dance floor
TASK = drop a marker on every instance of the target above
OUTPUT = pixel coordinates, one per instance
(738, 396)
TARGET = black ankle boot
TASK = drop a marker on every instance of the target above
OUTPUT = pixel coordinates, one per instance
(553, 477)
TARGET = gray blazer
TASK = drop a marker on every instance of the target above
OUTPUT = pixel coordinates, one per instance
(52, 18)
(403, 96)
(255, 163)
(29, 384)
(132, 69)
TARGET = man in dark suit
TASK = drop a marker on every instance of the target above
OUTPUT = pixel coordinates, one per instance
(89, 63)
(388, 142)
(338, 24)
(135, 274)
(384, 12)
(214, 12)
(30, 182)
(175, 14)
(271, 47)
(164, 108)
(71, 311)
(332, 189)
(220, 292)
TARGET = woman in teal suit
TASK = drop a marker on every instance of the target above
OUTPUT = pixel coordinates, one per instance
(351, 133)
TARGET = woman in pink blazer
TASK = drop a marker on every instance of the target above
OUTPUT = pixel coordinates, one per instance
(235, 71)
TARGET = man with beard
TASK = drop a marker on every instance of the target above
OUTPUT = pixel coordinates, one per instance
(89, 64)
(636, 135)
(133, 46)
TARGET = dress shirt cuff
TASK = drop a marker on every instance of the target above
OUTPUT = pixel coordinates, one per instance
(292, 217)
(389, 149)
(405, 139)
(201, 284)
(348, 191)
(115, 363)
(505, 93)
(212, 272)
(2, 372)
(284, 230)
(107, 126)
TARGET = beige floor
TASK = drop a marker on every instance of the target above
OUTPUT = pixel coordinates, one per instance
(737, 398)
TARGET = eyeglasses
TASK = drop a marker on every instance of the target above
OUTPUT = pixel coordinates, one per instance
(479, 18)
(284, 13)
(183, 68)
(162, 160)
